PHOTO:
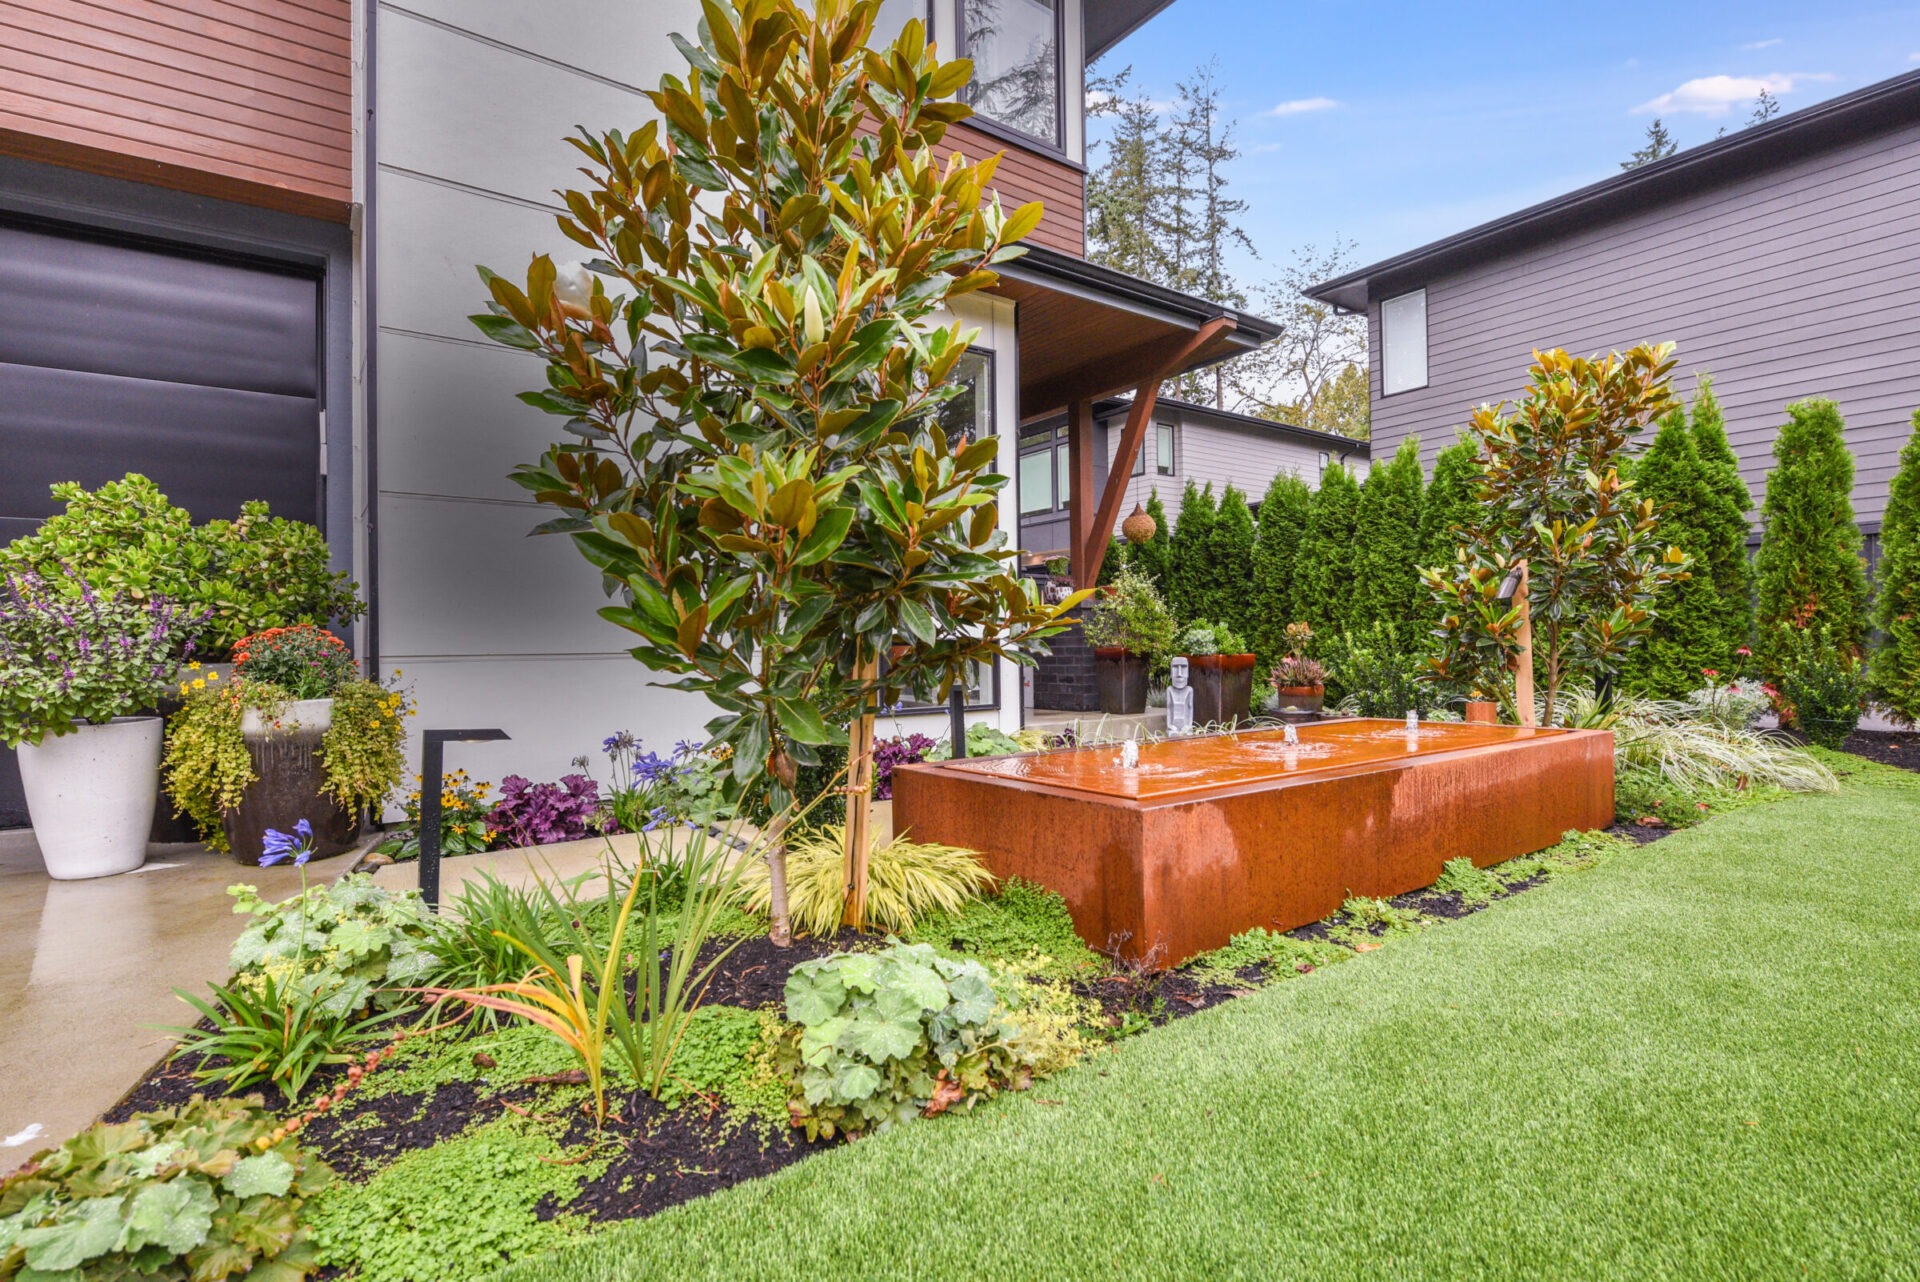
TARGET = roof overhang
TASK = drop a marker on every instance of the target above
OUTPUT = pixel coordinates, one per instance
(1108, 22)
(1849, 118)
(1087, 332)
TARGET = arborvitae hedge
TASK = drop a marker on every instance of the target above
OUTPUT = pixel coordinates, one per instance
(1230, 596)
(1155, 556)
(1387, 541)
(1113, 559)
(1447, 506)
(1324, 566)
(1896, 611)
(1686, 635)
(1284, 514)
(1724, 529)
(1189, 576)
(1809, 569)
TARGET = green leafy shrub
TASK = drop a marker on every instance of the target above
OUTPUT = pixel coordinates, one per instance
(1023, 925)
(265, 571)
(1447, 511)
(1154, 558)
(1284, 514)
(270, 1033)
(1687, 632)
(1475, 886)
(1386, 576)
(1381, 674)
(889, 1035)
(1809, 569)
(348, 944)
(905, 878)
(1323, 565)
(729, 1053)
(1646, 796)
(1282, 956)
(1229, 590)
(1189, 557)
(983, 740)
(1131, 615)
(212, 1189)
(1823, 686)
(1896, 605)
(1203, 638)
(1362, 919)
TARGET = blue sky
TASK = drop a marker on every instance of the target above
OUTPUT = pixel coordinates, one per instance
(1394, 125)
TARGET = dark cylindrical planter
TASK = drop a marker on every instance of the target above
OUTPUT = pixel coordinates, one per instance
(1222, 687)
(289, 785)
(1120, 676)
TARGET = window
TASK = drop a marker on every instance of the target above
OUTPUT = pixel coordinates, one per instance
(1139, 456)
(1163, 461)
(1062, 472)
(1403, 343)
(1036, 481)
(1015, 47)
(981, 686)
(968, 414)
(1046, 473)
(1326, 461)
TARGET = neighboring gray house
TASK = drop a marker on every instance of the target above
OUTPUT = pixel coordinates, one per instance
(1783, 259)
(1188, 442)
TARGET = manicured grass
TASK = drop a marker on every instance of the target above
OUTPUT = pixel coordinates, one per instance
(1700, 1059)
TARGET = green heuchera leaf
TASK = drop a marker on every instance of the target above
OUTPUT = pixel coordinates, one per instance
(175, 1215)
(262, 1173)
(814, 993)
(92, 1228)
(880, 1039)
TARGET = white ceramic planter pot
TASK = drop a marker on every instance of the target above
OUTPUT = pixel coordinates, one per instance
(90, 795)
(314, 716)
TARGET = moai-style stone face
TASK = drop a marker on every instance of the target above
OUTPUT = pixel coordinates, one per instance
(1179, 700)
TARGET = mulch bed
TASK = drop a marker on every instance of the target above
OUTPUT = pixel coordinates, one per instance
(1888, 747)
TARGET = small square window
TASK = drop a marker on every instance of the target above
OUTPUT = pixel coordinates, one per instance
(1403, 343)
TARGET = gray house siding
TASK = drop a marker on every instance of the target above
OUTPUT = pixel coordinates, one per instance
(1803, 280)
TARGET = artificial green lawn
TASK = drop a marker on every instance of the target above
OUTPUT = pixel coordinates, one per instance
(1698, 1060)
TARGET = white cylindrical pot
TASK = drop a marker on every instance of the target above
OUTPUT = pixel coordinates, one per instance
(312, 715)
(90, 796)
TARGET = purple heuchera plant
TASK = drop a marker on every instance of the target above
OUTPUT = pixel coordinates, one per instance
(900, 750)
(539, 814)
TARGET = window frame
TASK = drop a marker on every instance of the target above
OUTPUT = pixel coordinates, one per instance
(1057, 147)
(1170, 465)
(1426, 370)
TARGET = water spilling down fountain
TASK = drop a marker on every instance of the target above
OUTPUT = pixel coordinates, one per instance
(1189, 841)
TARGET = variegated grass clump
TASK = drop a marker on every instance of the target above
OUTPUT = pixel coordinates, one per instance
(1695, 748)
(904, 878)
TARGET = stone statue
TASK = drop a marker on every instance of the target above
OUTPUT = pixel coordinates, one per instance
(1179, 700)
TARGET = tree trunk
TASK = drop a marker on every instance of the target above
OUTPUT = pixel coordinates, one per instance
(780, 928)
(859, 843)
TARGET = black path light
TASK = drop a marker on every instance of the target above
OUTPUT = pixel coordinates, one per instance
(432, 768)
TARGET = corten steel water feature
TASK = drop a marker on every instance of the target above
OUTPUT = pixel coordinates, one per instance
(1211, 836)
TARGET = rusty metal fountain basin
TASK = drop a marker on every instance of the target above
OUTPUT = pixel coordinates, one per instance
(1210, 836)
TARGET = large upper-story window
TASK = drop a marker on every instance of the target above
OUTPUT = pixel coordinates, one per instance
(1403, 343)
(1016, 50)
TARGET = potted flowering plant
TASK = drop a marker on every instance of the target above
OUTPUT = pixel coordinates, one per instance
(1221, 669)
(296, 732)
(80, 674)
(1131, 632)
(1301, 682)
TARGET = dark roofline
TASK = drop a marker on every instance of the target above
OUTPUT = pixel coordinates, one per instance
(1343, 444)
(1884, 105)
(1108, 23)
(1055, 270)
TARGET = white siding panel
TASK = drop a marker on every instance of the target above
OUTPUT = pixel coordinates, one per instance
(451, 423)
(431, 238)
(623, 42)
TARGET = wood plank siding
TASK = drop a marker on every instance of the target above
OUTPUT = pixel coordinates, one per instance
(1801, 280)
(247, 100)
(1026, 175)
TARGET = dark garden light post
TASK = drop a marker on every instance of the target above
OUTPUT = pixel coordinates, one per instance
(432, 768)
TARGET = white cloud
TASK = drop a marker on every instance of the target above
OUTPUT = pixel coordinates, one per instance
(1913, 57)
(1300, 106)
(1716, 95)
(1774, 43)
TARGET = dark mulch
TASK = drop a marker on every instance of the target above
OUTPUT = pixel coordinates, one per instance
(1888, 747)
(1639, 833)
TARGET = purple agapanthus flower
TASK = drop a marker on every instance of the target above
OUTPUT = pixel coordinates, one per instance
(279, 847)
(652, 768)
(655, 817)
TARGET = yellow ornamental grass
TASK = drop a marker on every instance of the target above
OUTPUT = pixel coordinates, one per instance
(904, 879)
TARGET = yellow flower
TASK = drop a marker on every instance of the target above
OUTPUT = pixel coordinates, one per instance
(193, 667)
(199, 683)
(213, 676)
(183, 687)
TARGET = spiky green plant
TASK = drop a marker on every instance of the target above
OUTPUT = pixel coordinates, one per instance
(905, 878)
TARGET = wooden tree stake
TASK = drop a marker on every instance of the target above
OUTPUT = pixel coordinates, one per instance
(860, 799)
(1523, 675)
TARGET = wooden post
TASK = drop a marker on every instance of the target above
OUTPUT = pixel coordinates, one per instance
(859, 789)
(1523, 675)
(1081, 500)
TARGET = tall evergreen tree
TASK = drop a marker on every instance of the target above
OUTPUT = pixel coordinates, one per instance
(1284, 514)
(1447, 508)
(1112, 561)
(1809, 570)
(1231, 596)
(1387, 540)
(1724, 528)
(1685, 636)
(1125, 190)
(1198, 228)
(1659, 145)
(1189, 575)
(1324, 566)
(1155, 556)
(1896, 607)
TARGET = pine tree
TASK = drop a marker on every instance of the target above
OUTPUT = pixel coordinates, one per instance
(1231, 597)
(1659, 146)
(1387, 541)
(1448, 507)
(1199, 224)
(1189, 575)
(1686, 635)
(1155, 556)
(1724, 528)
(1324, 566)
(1124, 191)
(1284, 514)
(1809, 569)
(1896, 608)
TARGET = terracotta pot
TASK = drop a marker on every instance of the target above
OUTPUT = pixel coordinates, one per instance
(1482, 712)
(1301, 698)
(1222, 687)
(1120, 677)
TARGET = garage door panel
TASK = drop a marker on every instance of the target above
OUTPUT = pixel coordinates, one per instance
(59, 425)
(109, 308)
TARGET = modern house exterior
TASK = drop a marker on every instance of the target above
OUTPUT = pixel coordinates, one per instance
(1783, 259)
(237, 252)
(1187, 442)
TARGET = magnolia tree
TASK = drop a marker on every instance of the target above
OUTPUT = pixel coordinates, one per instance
(748, 365)
(1551, 495)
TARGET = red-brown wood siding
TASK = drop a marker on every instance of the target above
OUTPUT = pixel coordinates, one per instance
(248, 101)
(1024, 176)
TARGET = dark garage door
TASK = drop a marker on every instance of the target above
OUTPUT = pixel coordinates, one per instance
(124, 356)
